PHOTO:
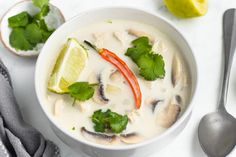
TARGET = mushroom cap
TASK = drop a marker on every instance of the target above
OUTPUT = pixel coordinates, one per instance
(5, 31)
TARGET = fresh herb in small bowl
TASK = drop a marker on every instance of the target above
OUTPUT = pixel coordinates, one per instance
(28, 25)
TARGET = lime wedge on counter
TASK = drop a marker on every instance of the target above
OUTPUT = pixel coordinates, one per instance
(70, 63)
(187, 8)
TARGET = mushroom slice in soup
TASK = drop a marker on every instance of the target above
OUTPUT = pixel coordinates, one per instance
(177, 74)
(115, 76)
(99, 95)
(98, 137)
(153, 102)
(169, 115)
(131, 138)
(101, 88)
(138, 33)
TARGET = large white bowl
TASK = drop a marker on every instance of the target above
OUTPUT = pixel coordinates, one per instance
(50, 51)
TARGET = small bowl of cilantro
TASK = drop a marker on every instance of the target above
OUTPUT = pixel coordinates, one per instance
(27, 25)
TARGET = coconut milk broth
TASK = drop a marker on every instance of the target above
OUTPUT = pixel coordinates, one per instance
(145, 120)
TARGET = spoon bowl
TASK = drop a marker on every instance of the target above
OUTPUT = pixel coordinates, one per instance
(217, 133)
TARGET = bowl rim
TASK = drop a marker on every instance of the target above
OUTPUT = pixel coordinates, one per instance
(145, 142)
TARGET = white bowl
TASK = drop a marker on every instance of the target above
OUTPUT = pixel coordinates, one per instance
(51, 49)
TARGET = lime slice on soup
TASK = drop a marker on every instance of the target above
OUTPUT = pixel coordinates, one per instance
(70, 63)
(187, 8)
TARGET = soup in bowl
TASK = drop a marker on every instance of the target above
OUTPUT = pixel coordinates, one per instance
(116, 83)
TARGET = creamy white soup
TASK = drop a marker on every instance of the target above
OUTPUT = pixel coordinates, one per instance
(163, 99)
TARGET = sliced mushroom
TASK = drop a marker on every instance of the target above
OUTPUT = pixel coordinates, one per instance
(178, 99)
(100, 93)
(121, 36)
(115, 76)
(111, 89)
(58, 107)
(177, 71)
(98, 137)
(169, 115)
(131, 138)
(138, 33)
(102, 88)
(154, 103)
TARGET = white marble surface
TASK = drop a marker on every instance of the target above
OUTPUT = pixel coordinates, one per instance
(204, 35)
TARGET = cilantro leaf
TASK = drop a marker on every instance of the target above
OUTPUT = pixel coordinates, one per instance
(81, 91)
(19, 20)
(18, 40)
(151, 65)
(44, 11)
(33, 33)
(109, 121)
(141, 47)
(40, 3)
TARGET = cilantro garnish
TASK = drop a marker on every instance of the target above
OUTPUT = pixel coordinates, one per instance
(109, 121)
(151, 65)
(19, 20)
(81, 91)
(18, 40)
(33, 33)
(29, 30)
(40, 3)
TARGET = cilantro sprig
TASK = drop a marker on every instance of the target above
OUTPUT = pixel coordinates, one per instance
(151, 65)
(27, 30)
(81, 91)
(109, 121)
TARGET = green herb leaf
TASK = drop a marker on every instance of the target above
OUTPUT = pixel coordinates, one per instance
(109, 121)
(19, 41)
(81, 91)
(19, 20)
(151, 65)
(44, 11)
(33, 33)
(40, 3)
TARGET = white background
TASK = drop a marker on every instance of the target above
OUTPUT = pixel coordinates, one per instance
(204, 35)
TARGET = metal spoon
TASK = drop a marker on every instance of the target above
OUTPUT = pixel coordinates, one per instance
(217, 131)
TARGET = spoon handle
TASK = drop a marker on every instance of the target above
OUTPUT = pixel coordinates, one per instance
(229, 35)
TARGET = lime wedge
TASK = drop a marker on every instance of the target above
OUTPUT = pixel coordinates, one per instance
(187, 8)
(70, 63)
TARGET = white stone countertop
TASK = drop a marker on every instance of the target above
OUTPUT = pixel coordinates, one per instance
(205, 37)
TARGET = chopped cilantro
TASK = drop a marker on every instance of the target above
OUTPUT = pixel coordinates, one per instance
(33, 33)
(151, 65)
(40, 3)
(81, 91)
(109, 121)
(18, 40)
(19, 20)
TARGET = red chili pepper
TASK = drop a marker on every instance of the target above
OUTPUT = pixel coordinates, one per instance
(125, 71)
